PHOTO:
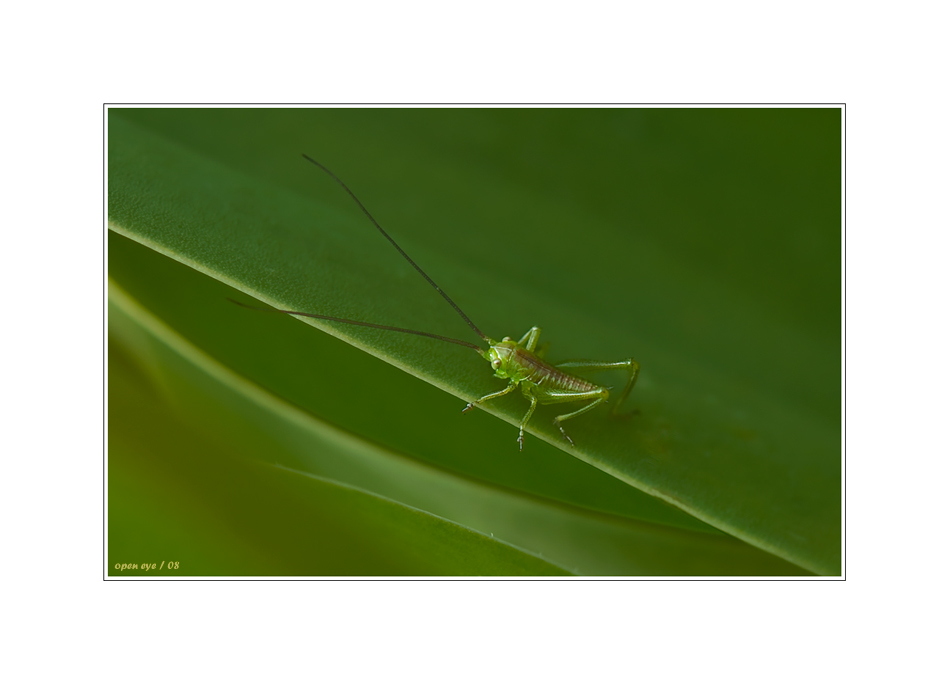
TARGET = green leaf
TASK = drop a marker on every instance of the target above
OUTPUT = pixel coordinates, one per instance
(712, 258)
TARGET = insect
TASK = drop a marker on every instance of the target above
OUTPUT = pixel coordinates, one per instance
(521, 362)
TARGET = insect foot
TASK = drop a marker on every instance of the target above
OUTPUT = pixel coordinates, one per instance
(521, 441)
(470, 405)
(563, 432)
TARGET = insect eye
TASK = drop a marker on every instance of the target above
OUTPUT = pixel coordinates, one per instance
(495, 363)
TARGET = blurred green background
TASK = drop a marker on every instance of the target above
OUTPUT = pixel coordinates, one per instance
(705, 243)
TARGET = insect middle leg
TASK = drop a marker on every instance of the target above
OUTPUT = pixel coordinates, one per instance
(524, 422)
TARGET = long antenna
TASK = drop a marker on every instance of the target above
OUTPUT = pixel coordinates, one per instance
(361, 323)
(408, 259)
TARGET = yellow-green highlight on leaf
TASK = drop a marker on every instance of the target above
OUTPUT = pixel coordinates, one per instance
(177, 495)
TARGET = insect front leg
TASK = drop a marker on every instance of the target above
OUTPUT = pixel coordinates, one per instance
(632, 368)
(490, 396)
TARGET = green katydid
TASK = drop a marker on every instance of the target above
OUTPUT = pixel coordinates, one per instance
(520, 362)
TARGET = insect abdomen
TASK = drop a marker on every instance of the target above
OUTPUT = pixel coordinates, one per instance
(550, 377)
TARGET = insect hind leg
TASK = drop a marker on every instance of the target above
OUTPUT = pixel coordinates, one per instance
(583, 410)
(631, 366)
